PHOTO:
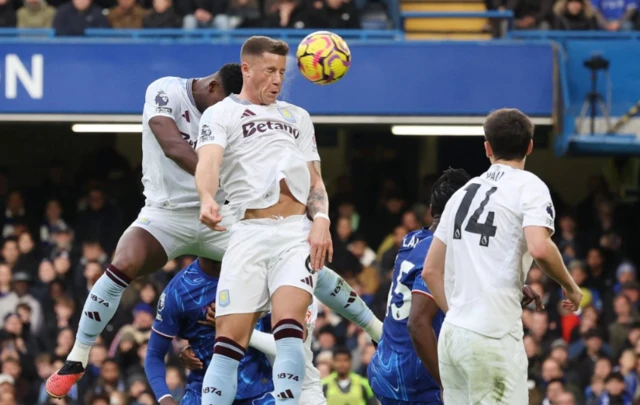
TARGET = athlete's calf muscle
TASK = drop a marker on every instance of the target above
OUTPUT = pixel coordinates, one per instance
(138, 253)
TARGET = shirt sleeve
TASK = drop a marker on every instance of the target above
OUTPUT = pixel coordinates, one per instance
(307, 139)
(213, 128)
(419, 286)
(536, 205)
(167, 322)
(154, 366)
(162, 99)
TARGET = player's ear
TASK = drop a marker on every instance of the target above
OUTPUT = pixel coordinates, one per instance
(213, 84)
(530, 148)
(244, 67)
(487, 149)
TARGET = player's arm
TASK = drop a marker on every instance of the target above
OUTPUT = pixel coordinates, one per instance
(420, 325)
(165, 328)
(265, 343)
(338, 295)
(433, 272)
(155, 368)
(318, 200)
(212, 141)
(538, 216)
(173, 146)
(547, 256)
(161, 106)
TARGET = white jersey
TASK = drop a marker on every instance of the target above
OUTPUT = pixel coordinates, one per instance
(487, 259)
(167, 185)
(262, 145)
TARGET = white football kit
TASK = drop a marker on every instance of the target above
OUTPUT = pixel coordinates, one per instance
(172, 207)
(312, 393)
(480, 350)
(262, 146)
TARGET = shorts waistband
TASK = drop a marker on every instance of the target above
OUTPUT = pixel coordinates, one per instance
(275, 220)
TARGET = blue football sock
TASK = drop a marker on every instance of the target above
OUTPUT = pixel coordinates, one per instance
(221, 379)
(289, 366)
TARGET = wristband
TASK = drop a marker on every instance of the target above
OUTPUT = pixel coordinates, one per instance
(321, 215)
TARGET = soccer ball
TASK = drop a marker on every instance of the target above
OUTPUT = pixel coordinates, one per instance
(323, 57)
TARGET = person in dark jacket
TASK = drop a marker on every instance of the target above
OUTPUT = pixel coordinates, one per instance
(7, 14)
(574, 15)
(163, 16)
(74, 17)
(336, 14)
(288, 14)
(531, 14)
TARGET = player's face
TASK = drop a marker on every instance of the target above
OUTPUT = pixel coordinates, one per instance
(266, 75)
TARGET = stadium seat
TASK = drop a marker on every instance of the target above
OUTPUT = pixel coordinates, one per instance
(445, 28)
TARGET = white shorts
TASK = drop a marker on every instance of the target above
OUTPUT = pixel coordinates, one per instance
(476, 369)
(313, 395)
(263, 255)
(180, 232)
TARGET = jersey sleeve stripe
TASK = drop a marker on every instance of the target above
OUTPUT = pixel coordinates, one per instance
(423, 293)
(160, 333)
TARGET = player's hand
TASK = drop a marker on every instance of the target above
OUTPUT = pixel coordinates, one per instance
(210, 214)
(321, 244)
(168, 401)
(530, 296)
(572, 303)
(189, 360)
(210, 317)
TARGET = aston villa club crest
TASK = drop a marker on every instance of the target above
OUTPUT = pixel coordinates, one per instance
(287, 115)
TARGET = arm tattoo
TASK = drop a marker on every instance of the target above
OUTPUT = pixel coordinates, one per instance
(318, 200)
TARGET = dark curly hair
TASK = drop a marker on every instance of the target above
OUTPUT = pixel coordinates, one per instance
(447, 184)
(231, 78)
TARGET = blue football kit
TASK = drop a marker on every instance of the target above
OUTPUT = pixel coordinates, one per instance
(182, 304)
(396, 374)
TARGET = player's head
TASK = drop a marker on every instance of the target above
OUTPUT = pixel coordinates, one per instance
(508, 135)
(264, 63)
(342, 361)
(447, 184)
(219, 85)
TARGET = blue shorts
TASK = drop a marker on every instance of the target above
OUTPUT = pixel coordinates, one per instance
(192, 397)
(389, 401)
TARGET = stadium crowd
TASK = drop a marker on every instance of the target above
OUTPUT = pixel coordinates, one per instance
(72, 17)
(57, 240)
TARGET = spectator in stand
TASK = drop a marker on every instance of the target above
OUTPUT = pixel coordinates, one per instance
(288, 14)
(162, 16)
(619, 330)
(336, 14)
(554, 389)
(127, 14)
(19, 295)
(74, 17)
(10, 251)
(594, 391)
(615, 391)
(101, 221)
(574, 15)
(208, 14)
(388, 256)
(531, 14)
(29, 258)
(35, 14)
(15, 214)
(565, 398)
(360, 249)
(627, 367)
(7, 14)
(243, 14)
(615, 15)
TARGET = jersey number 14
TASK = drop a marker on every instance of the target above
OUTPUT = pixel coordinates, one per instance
(486, 230)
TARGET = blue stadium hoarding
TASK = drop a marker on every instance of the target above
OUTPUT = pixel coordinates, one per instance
(86, 76)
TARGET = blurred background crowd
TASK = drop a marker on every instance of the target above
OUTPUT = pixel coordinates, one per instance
(72, 17)
(57, 240)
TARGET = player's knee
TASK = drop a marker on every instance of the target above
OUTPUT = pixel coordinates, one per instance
(127, 263)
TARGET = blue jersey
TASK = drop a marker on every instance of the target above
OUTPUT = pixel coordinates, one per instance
(396, 372)
(182, 304)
